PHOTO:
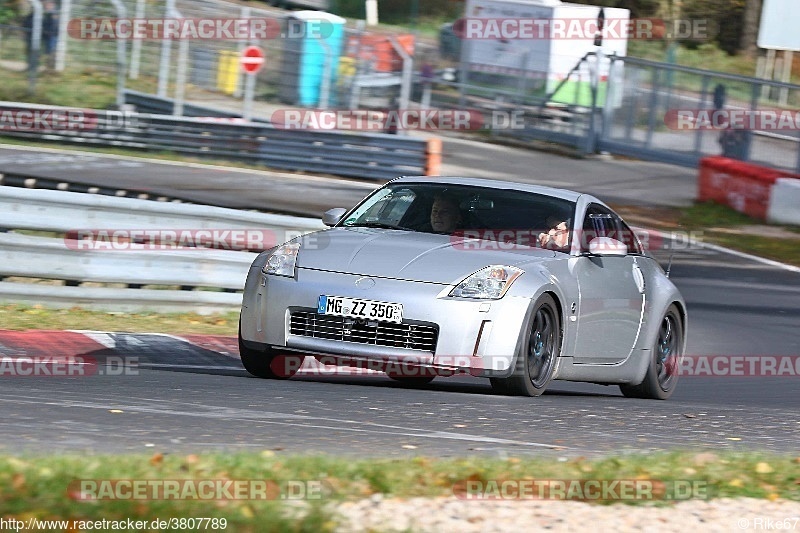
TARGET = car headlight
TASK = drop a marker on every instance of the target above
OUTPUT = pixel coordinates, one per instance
(489, 283)
(281, 262)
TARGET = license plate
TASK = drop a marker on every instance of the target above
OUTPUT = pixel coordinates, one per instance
(356, 308)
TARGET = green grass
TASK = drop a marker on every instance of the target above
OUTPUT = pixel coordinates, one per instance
(710, 214)
(719, 224)
(703, 57)
(84, 88)
(748, 235)
(45, 487)
(22, 317)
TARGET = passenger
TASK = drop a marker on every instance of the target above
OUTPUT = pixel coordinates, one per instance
(557, 237)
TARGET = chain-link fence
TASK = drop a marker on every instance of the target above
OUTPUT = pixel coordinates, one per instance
(14, 43)
(679, 114)
(622, 105)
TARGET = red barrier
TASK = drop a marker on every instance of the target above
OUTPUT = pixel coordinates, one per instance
(742, 186)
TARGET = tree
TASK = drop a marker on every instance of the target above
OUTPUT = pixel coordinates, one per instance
(752, 14)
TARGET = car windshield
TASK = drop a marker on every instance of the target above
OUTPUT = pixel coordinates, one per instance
(479, 212)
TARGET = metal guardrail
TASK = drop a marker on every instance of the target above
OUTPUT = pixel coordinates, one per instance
(58, 259)
(208, 279)
(60, 211)
(157, 105)
(371, 156)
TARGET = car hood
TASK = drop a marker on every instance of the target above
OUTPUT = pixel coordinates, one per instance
(398, 254)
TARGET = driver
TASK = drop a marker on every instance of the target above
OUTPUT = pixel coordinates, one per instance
(445, 214)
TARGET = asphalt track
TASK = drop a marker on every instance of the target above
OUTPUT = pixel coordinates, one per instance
(188, 397)
(624, 182)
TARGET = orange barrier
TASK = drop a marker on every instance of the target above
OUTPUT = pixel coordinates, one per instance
(379, 50)
(433, 157)
(742, 186)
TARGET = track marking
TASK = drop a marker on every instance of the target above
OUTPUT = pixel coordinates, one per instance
(268, 417)
(743, 255)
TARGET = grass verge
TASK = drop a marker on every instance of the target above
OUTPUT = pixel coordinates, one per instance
(300, 488)
(22, 317)
(83, 88)
(719, 224)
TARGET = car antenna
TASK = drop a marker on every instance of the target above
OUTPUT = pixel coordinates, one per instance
(669, 264)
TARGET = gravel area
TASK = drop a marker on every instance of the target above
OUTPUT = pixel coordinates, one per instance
(451, 514)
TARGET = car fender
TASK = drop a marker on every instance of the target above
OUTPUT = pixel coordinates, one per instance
(247, 316)
(553, 290)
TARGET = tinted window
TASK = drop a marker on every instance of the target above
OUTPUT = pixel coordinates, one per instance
(409, 205)
(602, 222)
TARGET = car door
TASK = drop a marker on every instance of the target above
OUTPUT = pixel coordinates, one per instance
(611, 292)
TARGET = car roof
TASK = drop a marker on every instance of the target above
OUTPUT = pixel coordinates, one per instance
(563, 194)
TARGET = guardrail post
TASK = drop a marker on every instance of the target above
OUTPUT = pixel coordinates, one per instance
(433, 157)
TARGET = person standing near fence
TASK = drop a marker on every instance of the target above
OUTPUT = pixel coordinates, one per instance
(733, 141)
(50, 32)
(49, 39)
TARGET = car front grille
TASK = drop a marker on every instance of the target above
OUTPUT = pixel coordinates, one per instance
(414, 336)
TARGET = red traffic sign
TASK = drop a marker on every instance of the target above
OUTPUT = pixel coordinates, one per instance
(252, 59)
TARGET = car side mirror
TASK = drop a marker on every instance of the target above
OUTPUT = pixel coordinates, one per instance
(606, 246)
(331, 217)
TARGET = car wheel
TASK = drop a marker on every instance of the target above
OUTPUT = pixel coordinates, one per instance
(266, 364)
(538, 357)
(662, 376)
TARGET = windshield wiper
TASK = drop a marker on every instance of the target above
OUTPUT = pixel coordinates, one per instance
(382, 225)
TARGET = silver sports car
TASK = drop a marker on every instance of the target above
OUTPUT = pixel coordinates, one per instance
(432, 276)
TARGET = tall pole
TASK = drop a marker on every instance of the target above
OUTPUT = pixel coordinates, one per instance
(34, 43)
(166, 52)
(136, 47)
(61, 45)
(122, 13)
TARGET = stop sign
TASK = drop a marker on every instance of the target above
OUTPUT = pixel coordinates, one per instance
(252, 59)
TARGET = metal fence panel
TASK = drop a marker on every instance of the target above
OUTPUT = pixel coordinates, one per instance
(653, 93)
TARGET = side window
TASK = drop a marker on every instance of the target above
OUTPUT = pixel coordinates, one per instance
(599, 222)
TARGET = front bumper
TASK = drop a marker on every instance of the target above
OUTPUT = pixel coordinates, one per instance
(475, 336)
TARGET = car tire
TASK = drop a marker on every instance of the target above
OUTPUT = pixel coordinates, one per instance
(266, 364)
(540, 348)
(662, 377)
